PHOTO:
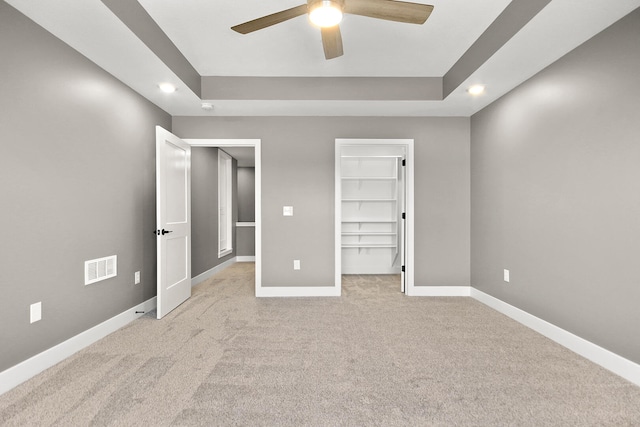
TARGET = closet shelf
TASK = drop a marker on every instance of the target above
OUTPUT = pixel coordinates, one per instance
(370, 178)
(369, 200)
(390, 156)
(367, 245)
(370, 221)
(369, 233)
(371, 207)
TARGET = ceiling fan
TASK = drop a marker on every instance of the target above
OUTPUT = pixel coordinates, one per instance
(328, 13)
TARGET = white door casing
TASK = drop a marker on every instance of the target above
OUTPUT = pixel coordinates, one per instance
(402, 235)
(173, 211)
(407, 248)
(256, 145)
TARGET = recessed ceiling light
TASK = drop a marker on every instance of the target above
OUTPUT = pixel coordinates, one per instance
(167, 87)
(476, 90)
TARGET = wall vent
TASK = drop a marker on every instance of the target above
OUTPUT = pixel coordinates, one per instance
(100, 269)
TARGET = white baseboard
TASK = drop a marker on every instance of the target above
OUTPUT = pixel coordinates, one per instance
(601, 356)
(439, 291)
(21, 372)
(246, 258)
(298, 291)
(217, 269)
(369, 270)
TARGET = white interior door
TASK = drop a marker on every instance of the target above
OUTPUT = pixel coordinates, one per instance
(173, 207)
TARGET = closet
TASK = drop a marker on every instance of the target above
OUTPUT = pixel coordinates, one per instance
(372, 204)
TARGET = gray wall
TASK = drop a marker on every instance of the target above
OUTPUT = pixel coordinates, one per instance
(246, 241)
(298, 170)
(246, 194)
(77, 182)
(555, 172)
(204, 210)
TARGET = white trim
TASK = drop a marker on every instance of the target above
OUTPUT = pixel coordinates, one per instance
(409, 177)
(225, 196)
(31, 367)
(245, 258)
(439, 291)
(257, 146)
(245, 224)
(338, 216)
(299, 291)
(617, 364)
(410, 221)
(217, 269)
(225, 252)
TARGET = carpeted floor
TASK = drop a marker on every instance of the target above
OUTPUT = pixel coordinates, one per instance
(370, 357)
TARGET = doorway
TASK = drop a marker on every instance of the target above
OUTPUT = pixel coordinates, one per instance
(234, 147)
(374, 209)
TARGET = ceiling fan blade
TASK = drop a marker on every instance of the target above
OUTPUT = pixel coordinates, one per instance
(390, 10)
(332, 42)
(269, 20)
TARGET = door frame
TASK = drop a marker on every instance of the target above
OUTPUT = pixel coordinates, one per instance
(256, 145)
(409, 203)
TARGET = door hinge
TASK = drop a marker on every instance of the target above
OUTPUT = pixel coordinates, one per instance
(404, 215)
(404, 162)
(403, 268)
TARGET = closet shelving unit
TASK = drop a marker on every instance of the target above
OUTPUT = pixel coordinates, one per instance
(370, 213)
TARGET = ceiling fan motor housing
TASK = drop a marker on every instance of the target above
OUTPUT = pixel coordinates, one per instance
(312, 4)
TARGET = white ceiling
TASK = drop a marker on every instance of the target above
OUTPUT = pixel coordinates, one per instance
(201, 30)
(244, 155)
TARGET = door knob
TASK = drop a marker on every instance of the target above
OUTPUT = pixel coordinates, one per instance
(166, 231)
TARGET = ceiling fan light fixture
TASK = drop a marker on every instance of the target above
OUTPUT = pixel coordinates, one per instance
(325, 14)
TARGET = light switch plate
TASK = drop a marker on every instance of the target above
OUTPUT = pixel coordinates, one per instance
(296, 264)
(506, 275)
(35, 311)
(287, 210)
(136, 278)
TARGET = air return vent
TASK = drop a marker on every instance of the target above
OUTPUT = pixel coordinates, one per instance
(100, 269)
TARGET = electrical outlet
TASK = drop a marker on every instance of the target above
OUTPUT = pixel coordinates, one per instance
(35, 311)
(136, 278)
(296, 264)
(506, 275)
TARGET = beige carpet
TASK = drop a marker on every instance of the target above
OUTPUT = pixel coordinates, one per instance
(371, 357)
